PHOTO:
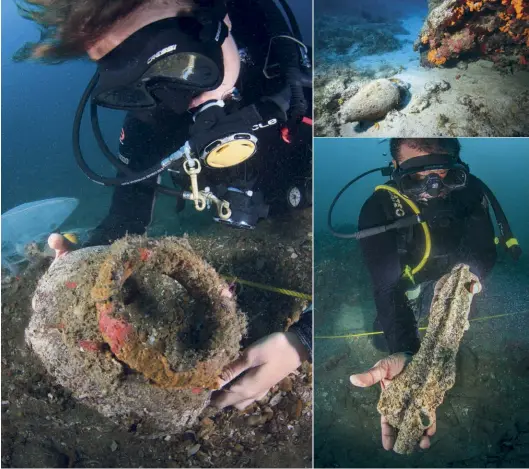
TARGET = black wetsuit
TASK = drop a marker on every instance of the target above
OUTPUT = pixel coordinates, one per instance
(147, 137)
(461, 231)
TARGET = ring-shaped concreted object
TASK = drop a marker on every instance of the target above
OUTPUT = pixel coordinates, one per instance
(139, 255)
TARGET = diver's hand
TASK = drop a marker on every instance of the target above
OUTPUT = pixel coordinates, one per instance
(267, 362)
(59, 244)
(384, 371)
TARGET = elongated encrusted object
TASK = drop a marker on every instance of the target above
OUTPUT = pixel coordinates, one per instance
(409, 402)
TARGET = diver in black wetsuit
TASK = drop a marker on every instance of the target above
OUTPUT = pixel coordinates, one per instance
(149, 135)
(199, 105)
(461, 230)
(431, 215)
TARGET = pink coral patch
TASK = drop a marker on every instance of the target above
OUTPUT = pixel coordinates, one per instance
(115, 331)
(145, 254)
(90, 345)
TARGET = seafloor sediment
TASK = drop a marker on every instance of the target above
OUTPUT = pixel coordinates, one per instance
(44, 426)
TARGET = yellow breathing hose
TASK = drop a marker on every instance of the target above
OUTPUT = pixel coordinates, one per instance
(408, 272)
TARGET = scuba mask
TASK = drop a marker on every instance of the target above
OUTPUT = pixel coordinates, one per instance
(414, 185)
(164, 63)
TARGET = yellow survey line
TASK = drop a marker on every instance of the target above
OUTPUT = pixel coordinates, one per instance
(261, 286)
(365, 334)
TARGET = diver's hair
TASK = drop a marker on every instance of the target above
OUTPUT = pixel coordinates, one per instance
(68, 27)
(431, 145)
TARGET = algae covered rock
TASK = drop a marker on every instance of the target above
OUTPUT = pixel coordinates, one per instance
(467, 30)
(372, 102)
(410, 400)
(139, 331)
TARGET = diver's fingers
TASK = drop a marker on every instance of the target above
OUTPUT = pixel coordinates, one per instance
(243, 390)
(474, 286)
(235, 368)
(59, 244)
(425, 442)
(388, 434)
(430, 431)
(227, 398)
(243, 404)
(370, 377)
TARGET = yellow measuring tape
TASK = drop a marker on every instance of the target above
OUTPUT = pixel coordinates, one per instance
(261, 286)
(365, 334)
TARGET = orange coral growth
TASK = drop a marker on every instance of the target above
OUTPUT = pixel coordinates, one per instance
(520, 7)
(434, 58)
(474, 6)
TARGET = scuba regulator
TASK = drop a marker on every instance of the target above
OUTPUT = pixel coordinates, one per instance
(217, 139)
(456, 178)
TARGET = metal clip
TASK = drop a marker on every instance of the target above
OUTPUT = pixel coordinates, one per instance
(192, 168)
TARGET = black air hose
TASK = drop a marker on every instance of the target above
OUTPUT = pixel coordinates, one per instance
(289, 56)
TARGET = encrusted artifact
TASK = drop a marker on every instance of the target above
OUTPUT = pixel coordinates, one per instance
(140, 331)
(410, 400)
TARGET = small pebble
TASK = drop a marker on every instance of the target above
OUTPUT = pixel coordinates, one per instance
(255, 420)
(167, 438)
(207, 421)
(113, 446)
(275, 400)
(193, 450)
(285, 384)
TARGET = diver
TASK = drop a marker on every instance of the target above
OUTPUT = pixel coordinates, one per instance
(431, 215)
(216, 93)
(206, 84)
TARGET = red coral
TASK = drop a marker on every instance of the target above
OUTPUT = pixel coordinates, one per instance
(116, 331)
(90, 345)
(145, 254)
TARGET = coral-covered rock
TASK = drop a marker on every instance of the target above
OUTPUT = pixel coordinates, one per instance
(456, 29)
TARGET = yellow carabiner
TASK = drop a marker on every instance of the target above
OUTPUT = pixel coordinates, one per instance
(224, 210)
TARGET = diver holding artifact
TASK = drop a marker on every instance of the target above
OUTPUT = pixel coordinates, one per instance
(432, 215)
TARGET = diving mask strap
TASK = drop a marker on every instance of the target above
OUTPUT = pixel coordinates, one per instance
(214, 29)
